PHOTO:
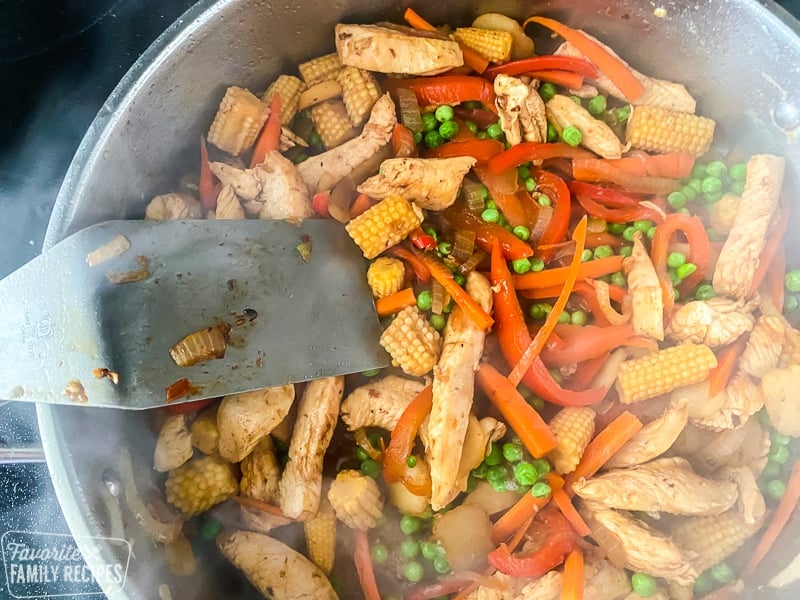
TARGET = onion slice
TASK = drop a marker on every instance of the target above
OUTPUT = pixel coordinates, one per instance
(463, 244)
(604, 302)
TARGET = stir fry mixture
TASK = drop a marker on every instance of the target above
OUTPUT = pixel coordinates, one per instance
(587, 310)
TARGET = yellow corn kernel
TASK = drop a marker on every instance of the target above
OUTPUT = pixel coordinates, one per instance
(661, 372)
(205, 435)
(200, 483)
(662, 130)
(412, 342)
(355, 499)
(320, 533)
(240, 117)
(332, 123)
(289, 88)
(492, 44)
(384, 225)
(320, 69)
(573, 428)
(712, 539)
(360, 92)
(385, 276)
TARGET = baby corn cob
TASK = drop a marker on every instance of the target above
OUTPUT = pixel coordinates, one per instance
(205, 435)
(238, 120)
(360, 92)
(289, 87)
(663, 371)
(384, 225)
(492, 44)
(385, 276)
(320, 533)
(332, 123)
(412, 342)
(355, 499)
(320, 69)
(714, 538)
(661, 130)
(573, 428)
(200, 483)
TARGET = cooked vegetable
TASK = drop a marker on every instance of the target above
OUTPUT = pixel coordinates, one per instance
(289, 88)
(360, 91)
(320, 534)
(332, 123)
(385, 276)
(573, 428)
(200, 346)
(661, 130)
(494, 45)
(204, 432)
(412, 342)
(174, 444)
(322, 68)
(238, 120)
(384, 225)
(356, 499)
(200, 483)
(465, 533)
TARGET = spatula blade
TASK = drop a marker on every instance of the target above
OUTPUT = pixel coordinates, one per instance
(290, 320)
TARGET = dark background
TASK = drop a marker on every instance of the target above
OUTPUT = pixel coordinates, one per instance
(59, 60)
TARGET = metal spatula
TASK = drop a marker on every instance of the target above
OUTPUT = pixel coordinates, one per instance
(291, 302)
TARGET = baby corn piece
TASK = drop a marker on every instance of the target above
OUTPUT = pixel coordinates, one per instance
(356, 499)
(384, 225)
(492, 44)
(573, 428)
(320, 69)
(289, 87)
(238, 121)
(661, 130)
(663, 371)
(385, 276)
(412, 342)
(332, 123)
(320, 533)
(359, 92)
(200, 483)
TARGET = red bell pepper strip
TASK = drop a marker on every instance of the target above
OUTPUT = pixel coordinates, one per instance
(186, 408)
(727, 361)
(523, 510)
(617, 215)
(208, 186)
(572, 81)
(770, 250)
(451, 89)
(422, 240)
(557, 190)
(544, 63)
(672, 165)
(395, 455)
(596, 169)
(514, 337)
(480, 150)
(591, 342)
(270, 138)
(586, 372)
(533, 151)
(699, 252)
(486, 233)
(608, 197)
(556, 277)
(403, 144)
(319, 202)
(611, 65)
(363, 561)
(421, 270)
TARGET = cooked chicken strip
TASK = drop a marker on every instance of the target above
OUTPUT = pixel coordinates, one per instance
(318, 411)
(601, 581)
(751, 502)
(511, 94)
(657, 92)
(738, 260)
(453, 389)
(646, 550)
(747, 446)
(325, 170)
(169, 207)
(432, 183)
(174, 444)
(243, 419)
(261, 474)
(379, 403)
(504, 588)
(275, 569)
(228, 205)
(663, 485)
(763, 349)
(396, 50)
(598, 137)
(780, 388)
(271, 190)
(653, 439)
(533, 116)
(743, 398)
(715, 322)
(645, 291)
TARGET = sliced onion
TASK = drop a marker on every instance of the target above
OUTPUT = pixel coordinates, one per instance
(545, 214)
(360, 437)
(655, 207)
(472, 262)
(409, 109)
(473, 195)
(463, 245)
(604, 302)
(608, 373)
(180, 558)
(437, 297)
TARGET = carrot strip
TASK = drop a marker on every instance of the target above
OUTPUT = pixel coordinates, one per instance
(208, 186)
(270, 138)
(396, 302)
(359, 205)
(770, 251)
(474, 59)
(570, 80)
(779, 520)
(421, 270)
(521, 416)
(416, 21)
(564, 503)
(604, 446)
(584, 288)
(616, 70)
(363, 561)
(540, 339)
(726, 363)
(257, 504)
(557, 277)
(524, 508)
(572, 583)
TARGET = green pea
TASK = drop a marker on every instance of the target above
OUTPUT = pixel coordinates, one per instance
(713, 197)
(790, 304)
(651, 233)
(502, 221)
(438, 322)
(779, 454)
(642, 225)
(445, 248)
(444, 113)
(314, 139)
(440, 565)
(547, 90)
(776, 489)
(717, 169)
(628, 233)
(497, 477)
(521, 265)
(705, 291)
(530, 184)
(552, 133)
(721, 572)
(626, 251)
(523, 171)
(417, 137)
(597, 105)
(537, 402)
(544, 200)
(472, 105)
(410, 524)
(579, 317)
(542, 466)
(576, 99)
(643, 585)
(710, 185)
(737, 187)
(411, 461)
(703, 584)
(495, 131)
(525, 473)
(780, 439)
(380, 553)
(792, 280)
(698, 171)
(738, 172)
(424, 300)
(491, 215)
(677, 199)
(572, 136)
(771, 470)
(431, 550)
(618, 278)
(512, 452)
(539, 311)
(211, 528)
(616, 228)
(489, 203)
(495, 456)
(433, 139)
(673, 277)
(563, 317)
(448, 130)
(413, 571)
(537, 264)
(689, 193)
(482, 135)
(429, 122)
(480, 471)
(361, 454)
(623, 113)
(409, 548)
(460, 279)
(676, 259)
(603, 251)
(522, 232)
(683, 211)
(473, 128)
(685, 270)
(370, 468)
(586, 255)
(540, 489)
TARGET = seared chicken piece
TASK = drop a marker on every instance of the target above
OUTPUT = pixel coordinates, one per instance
(453, 389)
(329, 168)
(646, 550)
(738, 259)
(598, 137)
(653, 439)
(228, 205)
(317, 413)
(396, 50)
(715, 322)
(356, 499)
(780, 388)
(170, 207)
(751, 501)
(663, 485)
(601, 581)
(747, 446)
(174, 444)
(657, 92)
(379, 403)
(504, 587)
(270, 190)
(742, 399)
(243, 419)
(432, 183)
(763, 349)
(645, 291)
(533, 116)
(511, 94)
(723, 213)
(275, 569)
(261, 474)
